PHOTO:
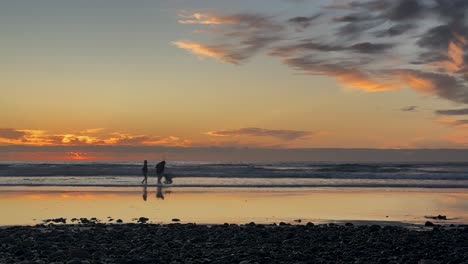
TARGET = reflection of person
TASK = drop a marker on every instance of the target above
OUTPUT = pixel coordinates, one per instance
(159, 193)
(145, 193)
(144, 170)
(160, 170)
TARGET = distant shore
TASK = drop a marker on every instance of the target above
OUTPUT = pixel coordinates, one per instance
(231, 243)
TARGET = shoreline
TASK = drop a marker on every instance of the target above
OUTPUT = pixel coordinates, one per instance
(231, 243)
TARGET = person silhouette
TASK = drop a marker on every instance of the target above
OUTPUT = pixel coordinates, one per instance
(160, 170)
(144, 170)
(168, 178)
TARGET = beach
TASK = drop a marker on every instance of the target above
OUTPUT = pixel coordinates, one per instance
(304, 213)
(250, 243)
(232, 225)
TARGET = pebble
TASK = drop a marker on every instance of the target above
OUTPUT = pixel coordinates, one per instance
(230, 243)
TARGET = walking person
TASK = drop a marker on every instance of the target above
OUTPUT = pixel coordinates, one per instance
(160, 170)
(144, 170)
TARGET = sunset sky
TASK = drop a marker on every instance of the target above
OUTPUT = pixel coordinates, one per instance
(258, 74)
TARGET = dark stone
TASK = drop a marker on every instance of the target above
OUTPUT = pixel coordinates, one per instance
(143, 220)
(175, 220)
(374, 228)
(349, 224)
(79, 253)
(428, 223)
(119, 221)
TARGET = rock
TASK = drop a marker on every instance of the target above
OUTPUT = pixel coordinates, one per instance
(244, 262)
(143, 220)
(282, 224)
(374, 228)
(310, 224)
(79, 253)
(298, 220)
(56, 220)
(349, 224)
(119, 221)
(250, 224)
(74, 261)
(428, 261)
(175, 220)
(428, 223)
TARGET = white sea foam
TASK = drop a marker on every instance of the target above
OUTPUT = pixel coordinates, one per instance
(212, 175)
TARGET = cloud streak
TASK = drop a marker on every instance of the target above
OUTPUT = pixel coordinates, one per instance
(355, 42)
(463, 111)
(262, 132)
(10, 136)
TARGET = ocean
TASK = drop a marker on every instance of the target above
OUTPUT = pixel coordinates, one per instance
(242, 175)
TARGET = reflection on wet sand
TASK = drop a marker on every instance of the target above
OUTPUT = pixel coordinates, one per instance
(234, 205)
(145, 192)
(159, 192)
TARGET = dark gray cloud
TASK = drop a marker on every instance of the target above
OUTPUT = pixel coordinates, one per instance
(463, 111)
(436, 38)
(395, 30)
(367, 47)
(461, 122)
(262, 132)
(302, 22)
(411, 108)
(372, 45)
(444, 85)
(405, 10)
(10, 133)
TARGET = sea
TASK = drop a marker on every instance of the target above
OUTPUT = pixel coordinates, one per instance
(236, 192)
(239, 174)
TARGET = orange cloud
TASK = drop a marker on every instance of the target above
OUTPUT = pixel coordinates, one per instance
(262, 132)
(42, 138)
(78, 156)
(216, 52)
(359, 80)
(455, 54)
(417, 82)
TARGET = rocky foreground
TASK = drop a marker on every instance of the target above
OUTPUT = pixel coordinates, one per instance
(243, 244)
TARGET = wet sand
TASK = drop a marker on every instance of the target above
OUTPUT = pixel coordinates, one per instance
(29, 206)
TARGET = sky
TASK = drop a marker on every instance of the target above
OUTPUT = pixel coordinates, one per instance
(267, 74)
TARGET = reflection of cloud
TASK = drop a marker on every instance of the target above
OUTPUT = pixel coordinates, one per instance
(261, 132)
(376, 45)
